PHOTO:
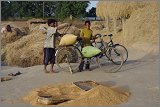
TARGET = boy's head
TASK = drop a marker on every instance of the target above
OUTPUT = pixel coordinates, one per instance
(52, 22)
(87, 24)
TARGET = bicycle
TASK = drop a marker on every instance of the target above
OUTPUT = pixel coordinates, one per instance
(112, 44)
(69, 57)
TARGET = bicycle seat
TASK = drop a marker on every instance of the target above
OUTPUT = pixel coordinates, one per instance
(110, 35)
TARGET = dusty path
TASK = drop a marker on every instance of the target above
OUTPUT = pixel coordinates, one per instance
(140, 76)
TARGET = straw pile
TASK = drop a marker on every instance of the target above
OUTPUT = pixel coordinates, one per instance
(142, 26)
(138, 21)
(28, 50)
(99, 95)
(16, 34)
(76, 22)
(9, 37)
(34, 26)
(117, 9)
(70, 30)
(98, 25)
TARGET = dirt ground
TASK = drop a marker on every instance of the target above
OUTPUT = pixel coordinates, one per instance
(139, 75)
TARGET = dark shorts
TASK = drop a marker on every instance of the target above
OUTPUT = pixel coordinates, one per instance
(49, 56)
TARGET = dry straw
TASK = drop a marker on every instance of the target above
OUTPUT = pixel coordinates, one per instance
(28, 50)
(139, 20)
(117, 9)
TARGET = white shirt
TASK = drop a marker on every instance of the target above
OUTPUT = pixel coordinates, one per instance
(49, 37)
(3, 30)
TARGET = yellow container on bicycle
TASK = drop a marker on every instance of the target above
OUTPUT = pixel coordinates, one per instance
(68, 39)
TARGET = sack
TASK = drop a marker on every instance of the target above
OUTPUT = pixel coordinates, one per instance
(90, 51)
(68, 39)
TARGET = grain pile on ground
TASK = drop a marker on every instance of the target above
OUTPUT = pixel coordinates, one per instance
(65, 90)
(99, 95)
(139, 21)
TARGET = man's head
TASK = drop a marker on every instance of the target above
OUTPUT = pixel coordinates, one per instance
(87, 24)
(52, 22)
(8, 28)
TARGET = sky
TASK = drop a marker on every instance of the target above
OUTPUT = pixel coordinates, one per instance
(92, 4)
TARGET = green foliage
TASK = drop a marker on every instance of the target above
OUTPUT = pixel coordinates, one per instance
(5, 10)
(35, 9)
(75, 8)
(92, 12)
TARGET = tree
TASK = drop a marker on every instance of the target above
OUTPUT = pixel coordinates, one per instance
(92, 12)
(5, 10)
(66, 8)
(56, 9)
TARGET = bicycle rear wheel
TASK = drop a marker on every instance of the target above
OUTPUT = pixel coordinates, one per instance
(115, 56)
(68, 59)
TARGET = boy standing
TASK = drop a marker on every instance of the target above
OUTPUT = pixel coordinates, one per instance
(49, 44)
(86, 35)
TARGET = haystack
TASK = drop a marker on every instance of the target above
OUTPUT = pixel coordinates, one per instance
(76, 22)
(16, 34)
(98, 25)
(28, 50)
(33, 25)
(71, 30)
(138, 21)
(9, 37)
(142, 26)
(117, 9)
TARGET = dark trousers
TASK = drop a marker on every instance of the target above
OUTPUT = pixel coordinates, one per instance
(87, 65)
(49, 56)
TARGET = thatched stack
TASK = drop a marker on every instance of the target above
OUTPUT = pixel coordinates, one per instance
(138, 20)
(33, 25)
(142, 26)
(117, 9)
(28, 50)
(17, 33)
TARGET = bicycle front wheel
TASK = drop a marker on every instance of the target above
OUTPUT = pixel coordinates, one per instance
(123, 50)
(68, 58)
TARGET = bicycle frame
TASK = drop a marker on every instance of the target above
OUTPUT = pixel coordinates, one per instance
(111, 43)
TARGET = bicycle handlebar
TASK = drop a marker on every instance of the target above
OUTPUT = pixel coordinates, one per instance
(110, 35)
(99, 35)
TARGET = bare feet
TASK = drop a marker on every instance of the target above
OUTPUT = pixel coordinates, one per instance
(46, 71)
